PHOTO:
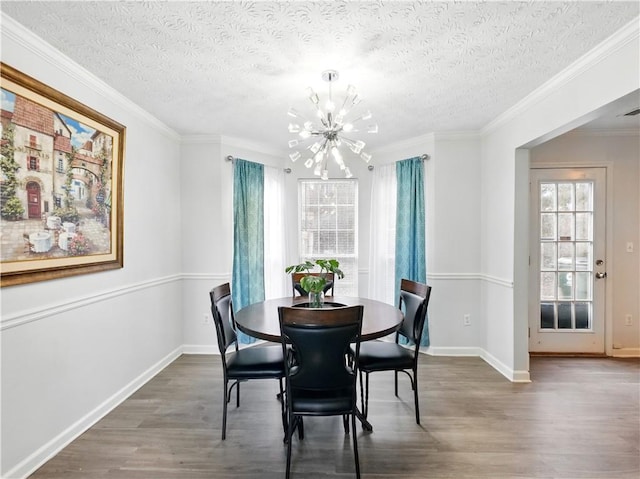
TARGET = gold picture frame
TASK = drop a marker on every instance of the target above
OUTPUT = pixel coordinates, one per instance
(61, 184)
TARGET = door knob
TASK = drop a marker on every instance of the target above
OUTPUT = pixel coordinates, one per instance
(601, 275)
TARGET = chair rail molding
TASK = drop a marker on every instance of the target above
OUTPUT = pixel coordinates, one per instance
(27, 316)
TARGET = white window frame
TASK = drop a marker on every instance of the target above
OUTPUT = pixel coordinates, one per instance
(348, 286)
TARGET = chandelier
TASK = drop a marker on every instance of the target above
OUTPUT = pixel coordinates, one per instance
(326, 134)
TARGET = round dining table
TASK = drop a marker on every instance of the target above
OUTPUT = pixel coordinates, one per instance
(260, 320)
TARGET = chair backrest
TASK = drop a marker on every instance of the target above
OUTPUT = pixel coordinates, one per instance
(221, 310)
(415, 299)
(296, 288)
(320, 340)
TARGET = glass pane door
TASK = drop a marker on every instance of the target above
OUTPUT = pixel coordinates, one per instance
(566, 251)
(567, 267)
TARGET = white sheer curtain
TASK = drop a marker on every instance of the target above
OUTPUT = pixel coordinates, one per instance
(383, 234)
(276, 282)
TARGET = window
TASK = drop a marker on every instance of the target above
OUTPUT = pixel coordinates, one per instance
(60, 168)
(33, 163)
(566, 255)
(329, 226)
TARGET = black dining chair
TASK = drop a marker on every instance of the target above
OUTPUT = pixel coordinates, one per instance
(296, 288)
(392, 356)
(320, 367)
(241, 364)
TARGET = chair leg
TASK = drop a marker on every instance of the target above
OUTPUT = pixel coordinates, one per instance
(365, 413)
(224, 410)
(289, 438)
(414, 383)
(362, 409)
(355, 445)
(345, 423)
(238, 394)
(395, 374)
(282, 409)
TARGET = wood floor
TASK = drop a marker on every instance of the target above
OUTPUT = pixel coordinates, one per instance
(578, 419)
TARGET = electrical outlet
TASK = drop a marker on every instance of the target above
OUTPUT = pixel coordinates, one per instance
(466, 320)
(629, 247)
(628, 320)
(207, 318)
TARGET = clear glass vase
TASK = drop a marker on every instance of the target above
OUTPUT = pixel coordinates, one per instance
(316, 300)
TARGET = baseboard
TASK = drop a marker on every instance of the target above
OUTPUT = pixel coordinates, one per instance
(200, 349)
(510, 374)
(626, 353)
(444, 351)
(566, 355)
(53, 447)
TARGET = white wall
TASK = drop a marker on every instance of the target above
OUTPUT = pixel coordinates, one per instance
(567, 101)
(207, 226)
(73, 348)
(621, 156)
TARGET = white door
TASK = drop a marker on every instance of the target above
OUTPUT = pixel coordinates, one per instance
(567, 263)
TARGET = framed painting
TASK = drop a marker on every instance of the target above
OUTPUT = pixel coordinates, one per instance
(61, 184)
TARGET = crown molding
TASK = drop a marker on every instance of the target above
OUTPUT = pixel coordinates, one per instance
(252, 145)
(629, 33)
(457, 135)
(586, 132)
(416, 142)
(58, 60)
(209, 139)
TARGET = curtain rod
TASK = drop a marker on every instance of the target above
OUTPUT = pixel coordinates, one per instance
(423, 157)
(232, 159)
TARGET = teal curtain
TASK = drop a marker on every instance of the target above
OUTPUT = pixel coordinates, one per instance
(410, 227)
(247, 283)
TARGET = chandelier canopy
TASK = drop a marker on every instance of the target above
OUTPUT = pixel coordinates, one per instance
(326, 134)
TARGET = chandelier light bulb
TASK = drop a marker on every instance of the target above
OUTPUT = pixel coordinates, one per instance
(336, 153)
(294, 156)
(324, 137)
(313, 96)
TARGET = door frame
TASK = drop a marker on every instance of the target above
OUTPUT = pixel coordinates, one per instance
(608, 288)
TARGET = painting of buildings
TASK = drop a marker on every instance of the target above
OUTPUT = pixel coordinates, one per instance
(55, 183)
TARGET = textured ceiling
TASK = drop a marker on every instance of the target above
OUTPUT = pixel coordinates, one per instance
(235, 68)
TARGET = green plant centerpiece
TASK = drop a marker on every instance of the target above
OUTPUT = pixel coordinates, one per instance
(314, 284)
